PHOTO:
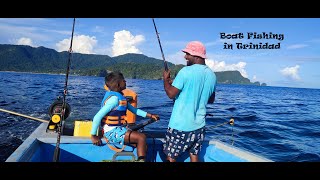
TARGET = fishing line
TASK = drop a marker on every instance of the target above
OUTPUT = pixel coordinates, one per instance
(231, 122)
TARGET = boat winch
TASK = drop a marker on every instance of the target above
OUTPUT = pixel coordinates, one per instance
(57, 114)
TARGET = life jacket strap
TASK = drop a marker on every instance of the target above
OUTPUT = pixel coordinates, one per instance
(115, 148)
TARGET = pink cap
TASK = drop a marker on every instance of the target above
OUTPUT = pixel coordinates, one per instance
(195, 48)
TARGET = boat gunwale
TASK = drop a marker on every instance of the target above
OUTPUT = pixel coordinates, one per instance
(25, 151)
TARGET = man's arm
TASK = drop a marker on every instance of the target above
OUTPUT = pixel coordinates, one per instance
(170, 90)
(212, 98)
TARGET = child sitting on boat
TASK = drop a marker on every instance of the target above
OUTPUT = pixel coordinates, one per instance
(112, 117)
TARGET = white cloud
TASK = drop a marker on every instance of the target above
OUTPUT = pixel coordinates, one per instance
(25, 41)
(254, 78)
(213, 43)
(177, 58)
(124, 42)
(98, 29)
(291, 72)
(81, 44)
(222, 66)
(297, 46)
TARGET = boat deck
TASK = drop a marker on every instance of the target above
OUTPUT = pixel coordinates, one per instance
(40, 147)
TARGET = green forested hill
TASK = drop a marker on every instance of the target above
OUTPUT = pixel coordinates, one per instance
(23, 58)
(28, 59)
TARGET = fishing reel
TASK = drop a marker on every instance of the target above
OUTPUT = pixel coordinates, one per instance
(57, 114)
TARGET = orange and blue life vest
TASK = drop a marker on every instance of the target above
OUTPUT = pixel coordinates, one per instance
(117, 116)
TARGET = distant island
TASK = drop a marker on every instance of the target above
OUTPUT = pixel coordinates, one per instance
(23, 58)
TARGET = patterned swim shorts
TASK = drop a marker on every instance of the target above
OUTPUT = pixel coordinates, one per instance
(116, 135)
(177, 142)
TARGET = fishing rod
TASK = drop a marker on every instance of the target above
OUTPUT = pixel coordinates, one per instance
(141, 125)
(22, 115)
(164, 60)
(64, 109)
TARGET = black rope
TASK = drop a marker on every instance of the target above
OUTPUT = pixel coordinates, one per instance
(60, 129)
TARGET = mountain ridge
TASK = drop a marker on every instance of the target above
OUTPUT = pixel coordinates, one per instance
(24, 58)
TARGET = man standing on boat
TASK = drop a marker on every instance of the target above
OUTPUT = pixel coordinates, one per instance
(192, 89)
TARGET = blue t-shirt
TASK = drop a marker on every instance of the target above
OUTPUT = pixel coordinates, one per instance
(196, 84)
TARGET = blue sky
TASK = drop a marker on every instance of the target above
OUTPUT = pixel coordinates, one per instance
(295, 64)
